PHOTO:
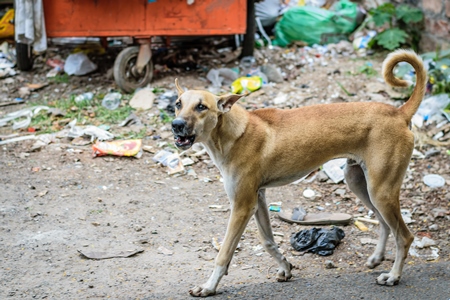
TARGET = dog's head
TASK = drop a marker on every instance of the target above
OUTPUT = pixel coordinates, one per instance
(197, 113)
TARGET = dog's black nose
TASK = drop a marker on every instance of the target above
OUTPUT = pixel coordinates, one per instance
(178, 125)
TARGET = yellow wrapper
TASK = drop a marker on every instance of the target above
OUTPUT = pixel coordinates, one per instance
(246, 84)
(117, 148)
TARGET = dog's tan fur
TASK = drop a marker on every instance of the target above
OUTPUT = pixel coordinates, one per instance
(272, 147)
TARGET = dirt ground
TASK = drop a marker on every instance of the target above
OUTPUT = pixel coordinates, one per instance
(59, 201)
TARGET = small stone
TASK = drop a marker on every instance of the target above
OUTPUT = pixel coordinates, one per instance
(143, 99)
(329, 264)
(322, 176)
(439, 212)
(340, 192)
(434, 227)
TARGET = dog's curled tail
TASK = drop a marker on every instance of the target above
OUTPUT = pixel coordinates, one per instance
(409, 56)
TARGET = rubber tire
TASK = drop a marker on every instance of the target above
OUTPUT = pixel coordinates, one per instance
(120, 69)
(24, 57)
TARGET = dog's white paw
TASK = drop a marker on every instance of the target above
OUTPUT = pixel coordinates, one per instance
(374, 261)
(201, 292)
(284, 275)
(388, 279)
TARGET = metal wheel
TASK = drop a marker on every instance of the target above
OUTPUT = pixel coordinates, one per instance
(125, 73)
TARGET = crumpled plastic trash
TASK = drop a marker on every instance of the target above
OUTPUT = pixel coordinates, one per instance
(94, 132)
(317, 240)
(79, 64)
(171, 160)
(222, 76)
(424, 248)
(26, 113)
(432, 106)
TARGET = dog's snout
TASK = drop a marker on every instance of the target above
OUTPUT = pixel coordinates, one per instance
(178, 125)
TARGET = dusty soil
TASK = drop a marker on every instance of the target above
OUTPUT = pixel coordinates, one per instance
(59, 201)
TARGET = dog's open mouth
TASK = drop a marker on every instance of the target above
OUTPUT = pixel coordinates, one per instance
(184, 142)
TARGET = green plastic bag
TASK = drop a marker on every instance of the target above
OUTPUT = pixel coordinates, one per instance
(316, 25)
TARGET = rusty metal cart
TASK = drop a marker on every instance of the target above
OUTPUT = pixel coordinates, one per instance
(141, 20)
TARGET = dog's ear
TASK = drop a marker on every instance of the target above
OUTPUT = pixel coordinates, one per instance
(179, 89)
(226, 102)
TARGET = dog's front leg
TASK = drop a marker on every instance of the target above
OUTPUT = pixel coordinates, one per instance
(266, 237)
(242, 209)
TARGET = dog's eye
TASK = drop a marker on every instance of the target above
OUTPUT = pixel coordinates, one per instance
(178, 104)
(201, 107)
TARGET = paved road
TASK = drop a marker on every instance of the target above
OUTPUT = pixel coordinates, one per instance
(429, 281)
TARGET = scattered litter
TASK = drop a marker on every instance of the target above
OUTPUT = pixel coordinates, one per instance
(43, 140)
(361, 226)
(187, 161)
(218, 208)
(118, 148)
(314, 25)
(148, 148)
(361, 42)
(424, 243)
(170, 160)
(132, 119)
(36, 86)
(430, 108)
(6, 60)
(309, 193)
(317, 240)
(376, 222)
(246, 85)
(418, 154)
(17, 139)
(165, 251)
(272, 73)
(16, 101)
(406, 215)
(220, 77)
(280, 98)
(434, 181)
(143, 99)
(55, 63)
(94, 132)
(424, 248)
(275, 206)
(111, 101)
(161, 157)
(26, 113)
(79, 64)
(110, 254)
(84, 97)
(335, 169)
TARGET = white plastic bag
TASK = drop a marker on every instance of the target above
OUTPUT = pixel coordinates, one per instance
(79, 64)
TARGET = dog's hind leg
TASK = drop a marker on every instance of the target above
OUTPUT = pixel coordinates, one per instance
(384, 189)
(266, 237)
(356, 181)
(243, 206)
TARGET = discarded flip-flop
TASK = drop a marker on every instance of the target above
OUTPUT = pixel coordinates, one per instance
(299, 216)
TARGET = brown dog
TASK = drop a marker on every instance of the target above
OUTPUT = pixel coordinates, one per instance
(272, 147)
